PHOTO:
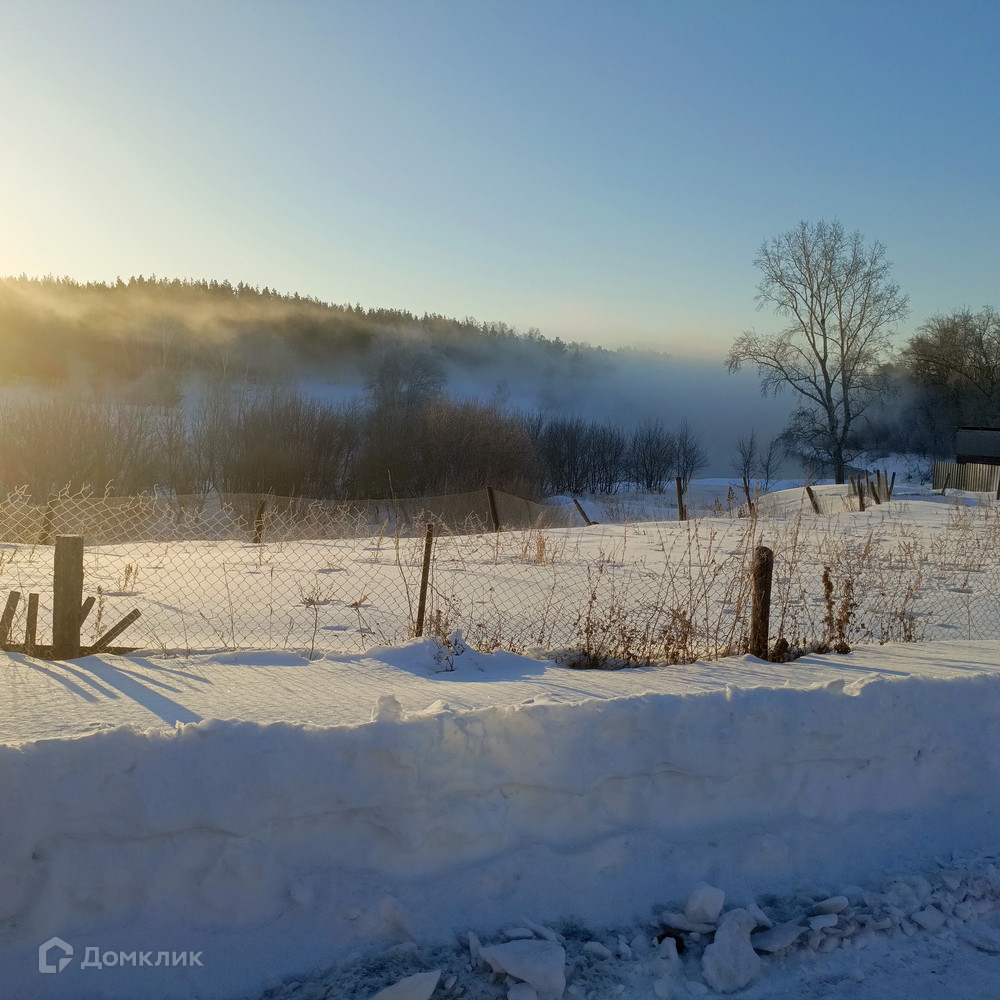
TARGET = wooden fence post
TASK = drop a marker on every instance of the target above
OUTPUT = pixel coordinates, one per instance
(31, 625)
(425, 573)
(681, 512)
(872, 492)
(812, 499)
(101, 644)
(492, 500)
(861, 495)
(86, 608)
(67, 596)
(258, 523)
(7, 618)
(760, 611)
(47, 519)
(586, 520)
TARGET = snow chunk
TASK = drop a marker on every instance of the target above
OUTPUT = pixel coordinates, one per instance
(730, 962)
(704, 904)
(541, 964)
(980, 936)
(543, 932)
(835, 904)
(475, 949)
(517, 933)
(387, 709)
(763, 920)
(418, 987)
(930, 918)
(778, 937)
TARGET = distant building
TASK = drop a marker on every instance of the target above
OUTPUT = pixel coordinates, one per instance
(977, 444)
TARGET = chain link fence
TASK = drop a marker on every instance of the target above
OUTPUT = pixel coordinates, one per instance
(323, 578)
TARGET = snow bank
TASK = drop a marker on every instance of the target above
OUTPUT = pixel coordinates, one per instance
(276, 848)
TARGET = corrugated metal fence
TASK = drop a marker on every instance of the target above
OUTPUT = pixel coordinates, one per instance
(968, 476)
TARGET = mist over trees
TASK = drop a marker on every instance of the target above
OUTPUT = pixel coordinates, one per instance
(227, 388)
(282, 442)
(190, 386)
(153, 334)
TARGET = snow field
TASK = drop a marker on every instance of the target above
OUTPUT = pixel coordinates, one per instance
(921, 567)
(279, 848)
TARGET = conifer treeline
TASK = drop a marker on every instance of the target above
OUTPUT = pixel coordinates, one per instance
(157, 331)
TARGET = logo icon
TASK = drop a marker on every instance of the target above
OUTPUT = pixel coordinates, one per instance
(43, 955)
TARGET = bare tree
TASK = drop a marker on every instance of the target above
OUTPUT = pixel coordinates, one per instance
(691, 454)
(607, 450)
(755, 464)
(401, 374)
(652, 454)
(841, 305)
(958, 355)
(564, 446)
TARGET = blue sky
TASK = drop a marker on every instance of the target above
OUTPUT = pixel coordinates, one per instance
(603, 171)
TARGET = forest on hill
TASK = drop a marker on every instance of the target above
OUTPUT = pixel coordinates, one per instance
(187, 386)
(157, 332)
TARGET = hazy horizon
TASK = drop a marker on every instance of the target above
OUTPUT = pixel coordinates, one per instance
(605, 173)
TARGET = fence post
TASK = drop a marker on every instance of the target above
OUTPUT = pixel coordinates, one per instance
(31, 625)
(681, 512)
(258, 523)
(812, 499)
(760, 611)
(67, 596)
(494, 518)
(47, 519)
(425, 573)
(587, 521)
(7, 619)
(861, 495)
(872, 492)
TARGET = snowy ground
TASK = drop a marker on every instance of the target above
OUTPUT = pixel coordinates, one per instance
(329, 827)
(924, 566)
(502, 789)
